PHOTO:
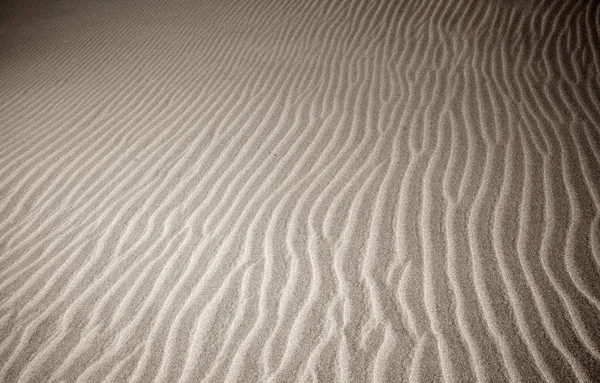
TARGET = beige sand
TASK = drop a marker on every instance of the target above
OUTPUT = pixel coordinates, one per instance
(293, 191)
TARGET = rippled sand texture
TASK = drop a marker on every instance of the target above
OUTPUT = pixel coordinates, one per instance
(292, 191)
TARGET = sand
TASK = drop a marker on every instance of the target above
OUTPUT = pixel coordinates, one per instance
(300, 191)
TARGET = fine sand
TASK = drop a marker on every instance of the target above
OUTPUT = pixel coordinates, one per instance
(300, 191)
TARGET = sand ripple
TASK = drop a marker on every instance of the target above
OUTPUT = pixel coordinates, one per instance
(292, 191)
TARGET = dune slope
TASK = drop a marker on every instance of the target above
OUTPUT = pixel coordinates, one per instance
(282, 191)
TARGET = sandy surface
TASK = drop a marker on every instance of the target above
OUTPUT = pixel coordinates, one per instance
(294, 191)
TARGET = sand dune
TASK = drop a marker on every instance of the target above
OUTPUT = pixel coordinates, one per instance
(264, 191)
